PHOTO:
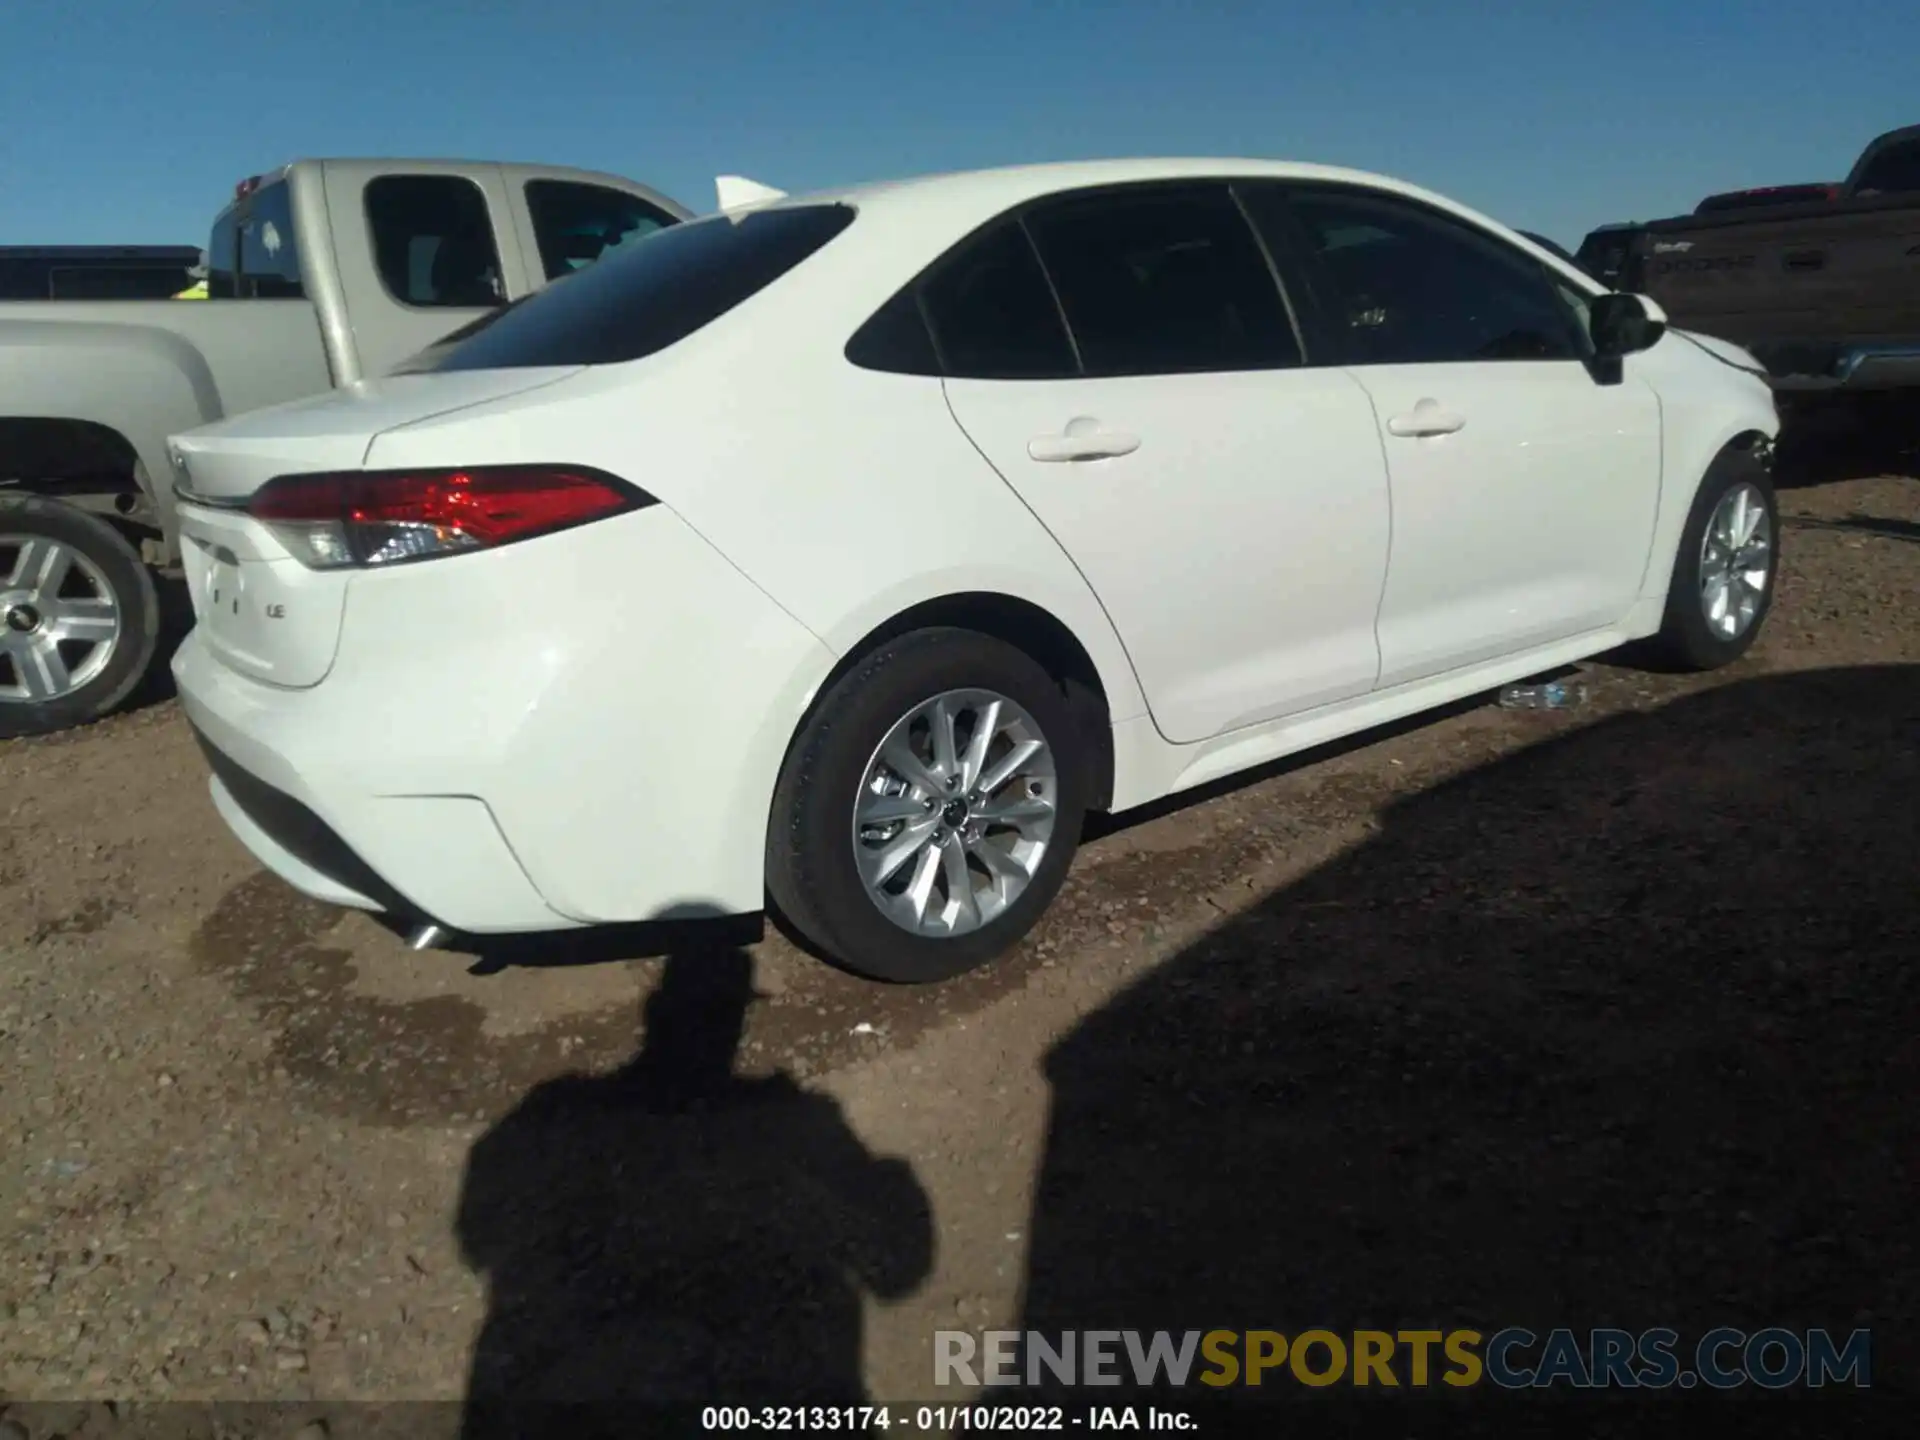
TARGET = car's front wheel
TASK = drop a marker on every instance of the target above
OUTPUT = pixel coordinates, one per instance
(927, 813)
(1723, 574)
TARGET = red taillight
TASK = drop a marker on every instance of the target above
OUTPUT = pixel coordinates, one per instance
(383, 517)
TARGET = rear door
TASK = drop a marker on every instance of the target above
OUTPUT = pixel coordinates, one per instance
(1226, 502)
(420, 253)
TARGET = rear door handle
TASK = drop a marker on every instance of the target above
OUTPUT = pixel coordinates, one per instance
(1427, 418)
(1092, 445)
(1805, 259)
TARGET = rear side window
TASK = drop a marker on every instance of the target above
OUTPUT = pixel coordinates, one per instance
(252, 255)
(896, 339)
(576, 223)
(433, 241)
(649, 296)
(1164, 281)
(992, 313)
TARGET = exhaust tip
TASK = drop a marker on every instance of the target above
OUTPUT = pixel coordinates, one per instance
(426, 937)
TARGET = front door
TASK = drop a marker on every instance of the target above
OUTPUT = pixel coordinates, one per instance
(1525, 479)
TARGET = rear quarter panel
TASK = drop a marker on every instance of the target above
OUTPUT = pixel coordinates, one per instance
(848, 496)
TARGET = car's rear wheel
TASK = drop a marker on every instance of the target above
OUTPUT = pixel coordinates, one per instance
(1723, 574)
(79, 618)
(928, 811)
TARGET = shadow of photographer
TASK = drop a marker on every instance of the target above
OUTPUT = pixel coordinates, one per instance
(671, 1234)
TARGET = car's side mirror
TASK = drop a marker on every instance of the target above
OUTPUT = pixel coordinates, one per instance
(1622, 324)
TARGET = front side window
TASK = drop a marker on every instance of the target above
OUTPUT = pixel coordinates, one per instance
(575, 223)
(647, 297)
(1163, 280)
(1406, 285)
(433, 241)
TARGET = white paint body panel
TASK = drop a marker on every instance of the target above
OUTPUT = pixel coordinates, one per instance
(617, 789)
(1530, 524)
(588, 726)
(1239, 551)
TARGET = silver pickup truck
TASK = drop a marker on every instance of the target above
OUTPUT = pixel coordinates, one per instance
(319, 274)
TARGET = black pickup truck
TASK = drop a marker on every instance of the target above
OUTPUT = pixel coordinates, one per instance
(1823, 287)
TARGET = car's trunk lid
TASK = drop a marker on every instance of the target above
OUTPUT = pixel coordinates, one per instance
(259, 609)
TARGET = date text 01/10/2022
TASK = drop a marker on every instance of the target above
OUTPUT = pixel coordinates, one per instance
(940, 1419)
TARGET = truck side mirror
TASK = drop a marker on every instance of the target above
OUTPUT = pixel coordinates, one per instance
(1622, 324)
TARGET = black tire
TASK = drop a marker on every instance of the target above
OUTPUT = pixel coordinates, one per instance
(812, 876)
(1686, 641)
(119, 569)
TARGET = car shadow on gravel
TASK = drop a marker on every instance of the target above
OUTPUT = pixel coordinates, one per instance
(1825, 451)
(673, 1233)
(1617, 1031)
(1877, 525)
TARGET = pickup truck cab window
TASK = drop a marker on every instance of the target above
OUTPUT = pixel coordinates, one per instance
(575, 224)
(433, 241)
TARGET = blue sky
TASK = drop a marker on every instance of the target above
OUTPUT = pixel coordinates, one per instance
(130, 120)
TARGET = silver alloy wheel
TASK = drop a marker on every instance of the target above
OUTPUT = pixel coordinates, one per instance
(59, 620)
(1736, 562)
(955, 812)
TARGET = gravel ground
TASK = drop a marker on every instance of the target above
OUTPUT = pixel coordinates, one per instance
(1590, 1017)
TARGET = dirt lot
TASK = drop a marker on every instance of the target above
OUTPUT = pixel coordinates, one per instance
(1583, 1018)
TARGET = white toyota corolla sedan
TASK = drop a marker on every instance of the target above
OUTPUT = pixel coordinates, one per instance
(840, 553)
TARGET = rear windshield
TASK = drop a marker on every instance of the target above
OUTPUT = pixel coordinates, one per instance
(252, 255)
(648, 295)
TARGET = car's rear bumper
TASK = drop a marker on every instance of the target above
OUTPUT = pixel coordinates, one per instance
(604, 752)
(439, 858)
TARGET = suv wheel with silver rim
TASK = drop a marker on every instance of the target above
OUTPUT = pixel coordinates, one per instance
(928, 811)
(79, 619)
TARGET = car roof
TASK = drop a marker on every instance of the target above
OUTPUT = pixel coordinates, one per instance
(1004, 186)
(930, 211)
